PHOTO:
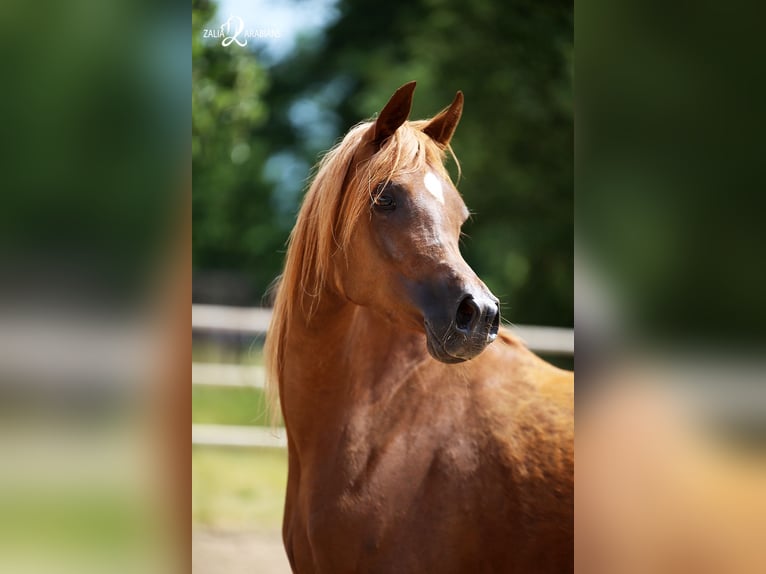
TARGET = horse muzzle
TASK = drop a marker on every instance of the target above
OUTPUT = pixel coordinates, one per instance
(465, 330)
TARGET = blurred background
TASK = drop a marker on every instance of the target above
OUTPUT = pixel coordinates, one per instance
(670, 283)
(95, 117)
(263, 113)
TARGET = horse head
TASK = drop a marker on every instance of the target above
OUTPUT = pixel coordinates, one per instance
(403, 259)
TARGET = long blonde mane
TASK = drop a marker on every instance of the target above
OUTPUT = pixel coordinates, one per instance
(338, 196)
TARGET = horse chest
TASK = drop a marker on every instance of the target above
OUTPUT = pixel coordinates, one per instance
(394, 513)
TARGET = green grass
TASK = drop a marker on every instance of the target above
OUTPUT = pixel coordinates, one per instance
(229, 406)
(236, 488)
(211, 352)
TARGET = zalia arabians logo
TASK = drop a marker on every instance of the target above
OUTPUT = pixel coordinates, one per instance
(233, 31)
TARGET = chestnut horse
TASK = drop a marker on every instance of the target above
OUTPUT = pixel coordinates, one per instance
(414, 444)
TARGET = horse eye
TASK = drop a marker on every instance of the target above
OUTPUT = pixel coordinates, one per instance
(384, 203)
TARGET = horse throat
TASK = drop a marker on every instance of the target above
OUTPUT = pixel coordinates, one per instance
(336, 360)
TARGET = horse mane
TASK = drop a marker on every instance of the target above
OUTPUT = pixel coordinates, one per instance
(340, 193)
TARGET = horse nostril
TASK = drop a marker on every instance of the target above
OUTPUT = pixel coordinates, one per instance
(467, 311)
(495, 325)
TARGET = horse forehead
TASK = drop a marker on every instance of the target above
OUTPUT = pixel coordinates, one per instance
(433, 189)
(433, 186)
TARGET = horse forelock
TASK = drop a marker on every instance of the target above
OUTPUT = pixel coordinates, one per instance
(344, 183)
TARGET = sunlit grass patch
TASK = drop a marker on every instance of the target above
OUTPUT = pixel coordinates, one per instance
(237, 488)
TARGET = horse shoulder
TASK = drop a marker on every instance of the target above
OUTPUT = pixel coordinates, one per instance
(528, 408)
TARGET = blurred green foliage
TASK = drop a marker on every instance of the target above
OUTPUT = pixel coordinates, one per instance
(94, 144)
(670, 167)
(231, 227)
(259, 124)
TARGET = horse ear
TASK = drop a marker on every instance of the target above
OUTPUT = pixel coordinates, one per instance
(442, 126)
(394, 114)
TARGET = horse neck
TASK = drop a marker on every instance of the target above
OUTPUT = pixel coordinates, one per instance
(333, 360)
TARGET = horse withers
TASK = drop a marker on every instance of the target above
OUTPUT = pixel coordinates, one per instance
(422, 436)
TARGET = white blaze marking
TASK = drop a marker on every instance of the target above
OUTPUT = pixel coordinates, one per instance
(434, 186)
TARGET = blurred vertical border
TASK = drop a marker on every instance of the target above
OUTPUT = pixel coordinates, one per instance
(95, 286)
(669, 284)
